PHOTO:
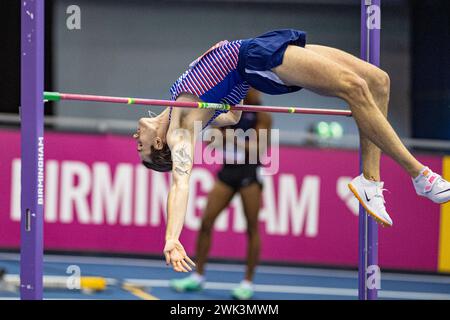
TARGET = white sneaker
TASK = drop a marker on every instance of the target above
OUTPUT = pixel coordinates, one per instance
(370, 195)
(432, 186)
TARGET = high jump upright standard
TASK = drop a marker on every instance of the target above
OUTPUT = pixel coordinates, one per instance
(32, 149)
(368, 270)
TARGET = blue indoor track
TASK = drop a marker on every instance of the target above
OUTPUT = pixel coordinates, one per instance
(149, 279)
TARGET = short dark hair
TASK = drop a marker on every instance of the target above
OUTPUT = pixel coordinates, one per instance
(160, 160)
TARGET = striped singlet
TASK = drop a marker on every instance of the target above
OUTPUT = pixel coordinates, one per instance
(213, 77)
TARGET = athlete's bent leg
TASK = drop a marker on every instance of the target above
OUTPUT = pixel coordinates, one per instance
(379, 85)
(308, 69)
(427, 184)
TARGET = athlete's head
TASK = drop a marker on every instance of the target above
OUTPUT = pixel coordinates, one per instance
(151, 144)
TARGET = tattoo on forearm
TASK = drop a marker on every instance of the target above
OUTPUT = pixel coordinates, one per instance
(181, 171)
(182, 160)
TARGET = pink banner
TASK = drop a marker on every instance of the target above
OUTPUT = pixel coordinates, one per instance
(99, 198)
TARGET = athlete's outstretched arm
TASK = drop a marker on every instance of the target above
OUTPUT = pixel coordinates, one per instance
(181, 145)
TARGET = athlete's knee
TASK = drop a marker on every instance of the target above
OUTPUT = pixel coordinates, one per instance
(381, 83)
(252, 230)
(207, 225)
(352, 87)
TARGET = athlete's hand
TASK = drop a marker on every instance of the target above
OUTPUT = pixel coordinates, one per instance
(177, 257)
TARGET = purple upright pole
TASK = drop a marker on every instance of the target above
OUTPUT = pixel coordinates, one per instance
(32, 149)
(368, 229)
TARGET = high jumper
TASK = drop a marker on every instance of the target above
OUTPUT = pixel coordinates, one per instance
(277, 62)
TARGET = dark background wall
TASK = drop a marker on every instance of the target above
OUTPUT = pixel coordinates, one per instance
(431, 69)
(10, 54)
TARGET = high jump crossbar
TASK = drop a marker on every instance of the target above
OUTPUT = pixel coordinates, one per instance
(32, 143)
(56, 96)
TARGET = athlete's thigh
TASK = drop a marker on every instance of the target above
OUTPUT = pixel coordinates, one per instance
(218, 199)
(251, 201)
(310, 70)
(362, 68)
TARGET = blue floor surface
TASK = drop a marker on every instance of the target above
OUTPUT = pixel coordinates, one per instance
(286, 283)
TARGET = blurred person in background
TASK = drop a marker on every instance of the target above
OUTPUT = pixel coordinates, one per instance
(231, 179)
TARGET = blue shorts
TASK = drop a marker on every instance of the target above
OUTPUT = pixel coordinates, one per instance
(257, 56)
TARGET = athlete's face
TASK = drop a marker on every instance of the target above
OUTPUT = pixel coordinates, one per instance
(146, 137)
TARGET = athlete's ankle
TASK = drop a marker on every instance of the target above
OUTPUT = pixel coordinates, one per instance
(197, 277)
(370, 177)
(422, 172)
(416, 170)
(246, 284)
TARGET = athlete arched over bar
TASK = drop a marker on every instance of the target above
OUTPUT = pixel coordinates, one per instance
(277, 62)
